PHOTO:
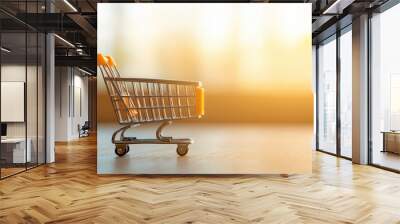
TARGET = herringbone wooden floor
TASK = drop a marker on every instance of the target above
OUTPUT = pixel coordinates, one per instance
(70, 191)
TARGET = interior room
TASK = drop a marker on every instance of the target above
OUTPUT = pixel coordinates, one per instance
(22, 99)
(258, 109)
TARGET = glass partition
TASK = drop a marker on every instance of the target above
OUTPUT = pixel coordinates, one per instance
(13, 92)
(327, 95)
(22, 77)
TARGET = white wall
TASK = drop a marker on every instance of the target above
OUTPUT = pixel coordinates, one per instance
(17, 73)
(14, 73)
(69, 85)
(62, 82)
(34, 125)
(79, 117)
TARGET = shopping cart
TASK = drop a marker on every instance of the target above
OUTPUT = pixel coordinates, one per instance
(139, 101)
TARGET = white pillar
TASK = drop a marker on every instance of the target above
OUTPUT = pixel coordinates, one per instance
(63, 101)
(360, 90)
(50, 99)
(314, 87)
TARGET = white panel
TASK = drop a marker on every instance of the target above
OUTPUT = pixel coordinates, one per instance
(77, 112)
(12, 101)
(19, 151)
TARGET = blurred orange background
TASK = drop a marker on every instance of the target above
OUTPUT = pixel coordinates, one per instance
(254, 60)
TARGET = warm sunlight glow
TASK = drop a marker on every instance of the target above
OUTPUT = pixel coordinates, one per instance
(254, 59)
(246, 46)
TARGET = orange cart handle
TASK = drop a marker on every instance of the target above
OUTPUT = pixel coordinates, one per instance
(199, 101)
(111, 61)
(101, 60)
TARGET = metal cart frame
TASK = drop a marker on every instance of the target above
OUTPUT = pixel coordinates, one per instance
(139, 101)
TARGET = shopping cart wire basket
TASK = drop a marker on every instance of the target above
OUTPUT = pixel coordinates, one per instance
(139, 101)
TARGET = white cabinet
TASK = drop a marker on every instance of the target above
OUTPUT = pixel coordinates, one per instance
(17, 148)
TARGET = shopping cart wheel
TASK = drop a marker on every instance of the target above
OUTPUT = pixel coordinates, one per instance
(182, 149)
(121, 150)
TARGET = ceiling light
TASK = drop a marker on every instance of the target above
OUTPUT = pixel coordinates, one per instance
(65, 41)
(338, 6)
(84, 71)
(5, 50)
(70, 5)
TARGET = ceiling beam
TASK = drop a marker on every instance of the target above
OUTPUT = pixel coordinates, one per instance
(77, 61)
(320, 22)
(84, 24)
(337, 6)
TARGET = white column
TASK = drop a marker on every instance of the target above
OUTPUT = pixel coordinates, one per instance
(314, 88)
(360, 90)
(62, 103)
(50, 99)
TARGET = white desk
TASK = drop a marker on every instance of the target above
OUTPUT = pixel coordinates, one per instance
(18, 149)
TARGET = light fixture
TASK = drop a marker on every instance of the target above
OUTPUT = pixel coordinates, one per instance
(5, 50)
(65, 41)
(84, 71)
(79, 51)
(70, 5)
(337, 7)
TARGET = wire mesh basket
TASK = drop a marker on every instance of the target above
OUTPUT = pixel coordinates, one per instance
(138, 100)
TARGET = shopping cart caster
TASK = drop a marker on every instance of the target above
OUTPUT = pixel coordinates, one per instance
(182, 149)
(121, 150)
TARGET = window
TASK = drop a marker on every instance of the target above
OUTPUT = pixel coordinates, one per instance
(346, 92)
(327, 96)
(385, 89)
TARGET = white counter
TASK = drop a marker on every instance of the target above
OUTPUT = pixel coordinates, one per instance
(18, 148)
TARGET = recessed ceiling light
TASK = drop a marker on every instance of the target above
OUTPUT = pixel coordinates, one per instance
(338, 6)
(65, 41)
(5, 50)
(70, 5)
(84, 71)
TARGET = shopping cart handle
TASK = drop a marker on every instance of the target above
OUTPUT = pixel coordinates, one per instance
(101, 60)
(199, 101)
(110, 61)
